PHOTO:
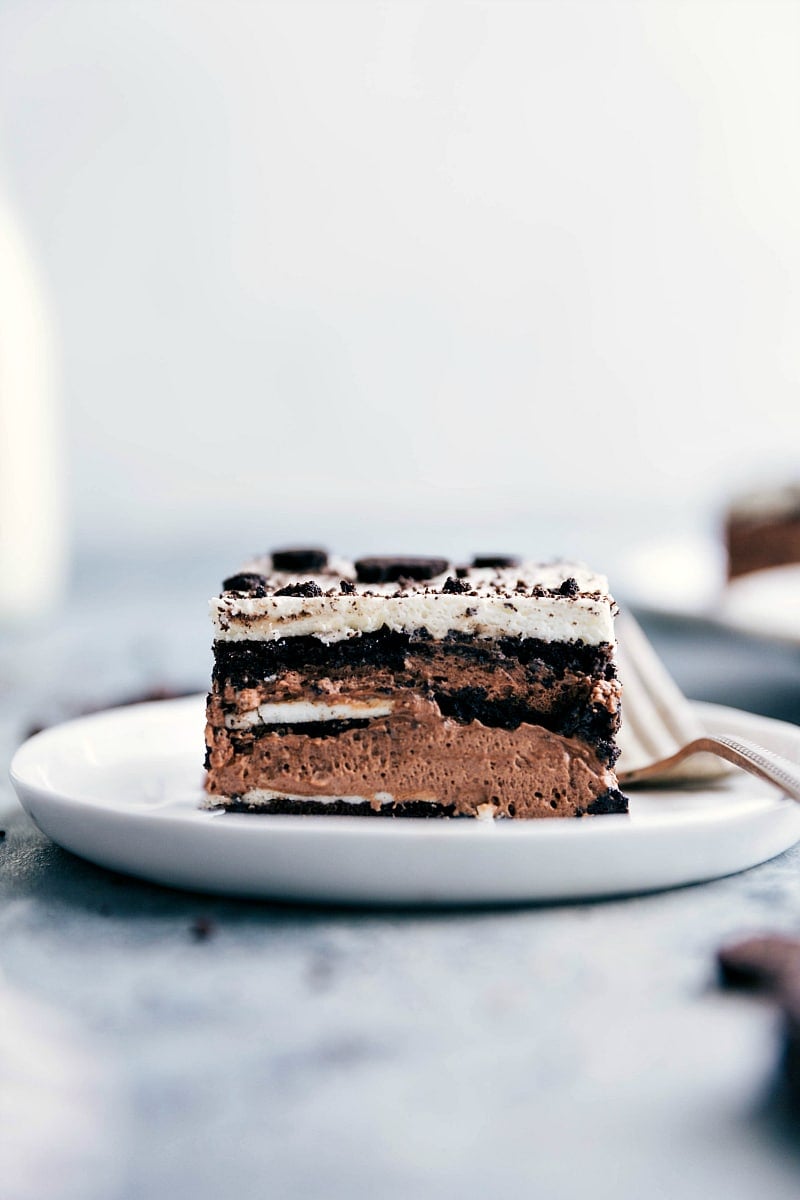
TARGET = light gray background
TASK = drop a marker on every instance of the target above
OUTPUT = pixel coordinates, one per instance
(316, 265)
(397, 275)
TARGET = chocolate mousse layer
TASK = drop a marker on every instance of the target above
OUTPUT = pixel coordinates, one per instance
(414, 755)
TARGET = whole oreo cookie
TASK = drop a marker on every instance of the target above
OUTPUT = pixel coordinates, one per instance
(247, 582)
(296, 559)
(389, 568)
(484, 561)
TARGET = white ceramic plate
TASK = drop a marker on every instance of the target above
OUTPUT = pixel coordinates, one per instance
(122, 789)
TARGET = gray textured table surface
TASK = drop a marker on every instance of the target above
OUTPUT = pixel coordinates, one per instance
(154, 1044)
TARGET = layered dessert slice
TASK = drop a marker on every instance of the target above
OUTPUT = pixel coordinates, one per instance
(410, 687)
(762, 529)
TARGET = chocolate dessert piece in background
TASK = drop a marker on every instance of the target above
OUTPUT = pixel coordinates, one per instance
(394, 686)
(762, 529)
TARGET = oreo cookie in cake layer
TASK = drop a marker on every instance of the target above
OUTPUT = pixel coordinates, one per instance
(408, 686)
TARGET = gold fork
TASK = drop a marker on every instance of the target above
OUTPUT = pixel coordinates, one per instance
(661, 739)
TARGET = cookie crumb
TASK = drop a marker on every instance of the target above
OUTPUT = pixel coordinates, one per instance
(202, 929)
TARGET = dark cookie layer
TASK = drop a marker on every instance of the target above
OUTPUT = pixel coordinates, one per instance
(246, 663)
(611, 801)
(339, 808)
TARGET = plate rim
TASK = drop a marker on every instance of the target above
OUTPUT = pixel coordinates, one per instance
(220, 820)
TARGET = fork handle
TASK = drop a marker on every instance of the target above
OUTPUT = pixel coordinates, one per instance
(747, 755)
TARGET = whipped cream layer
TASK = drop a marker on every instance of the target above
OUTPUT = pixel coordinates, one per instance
(523, 601)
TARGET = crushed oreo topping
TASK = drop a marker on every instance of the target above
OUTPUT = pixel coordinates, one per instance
(346, 587)
(391, 568)
(484, 561)
(454, 586)
(309, 588)
(568, 588)
(296, 559)
(247, 582)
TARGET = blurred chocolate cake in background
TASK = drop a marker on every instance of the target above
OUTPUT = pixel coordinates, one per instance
(762, 529)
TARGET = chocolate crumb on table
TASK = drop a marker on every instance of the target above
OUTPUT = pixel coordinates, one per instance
(203, 928)
(770, 964)
(404, 686)
(759, 963)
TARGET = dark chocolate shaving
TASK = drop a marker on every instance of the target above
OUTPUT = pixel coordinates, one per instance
(611, 801)
(340, 808)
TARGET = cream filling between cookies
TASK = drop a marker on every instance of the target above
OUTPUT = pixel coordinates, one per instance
(301, 712)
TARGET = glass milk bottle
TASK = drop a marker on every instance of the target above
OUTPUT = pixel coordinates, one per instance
(32, 520)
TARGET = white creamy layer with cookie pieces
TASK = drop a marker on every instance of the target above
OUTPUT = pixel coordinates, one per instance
(520, 601)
